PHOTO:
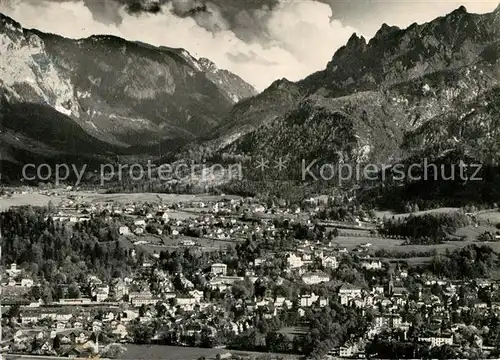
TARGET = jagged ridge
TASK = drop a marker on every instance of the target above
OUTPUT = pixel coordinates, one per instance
(407, 93)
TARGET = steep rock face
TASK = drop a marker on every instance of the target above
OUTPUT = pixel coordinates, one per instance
(273, 102)
(122, 93)
(396, 55)
(382, 126)
(389, 94)
(232, 84)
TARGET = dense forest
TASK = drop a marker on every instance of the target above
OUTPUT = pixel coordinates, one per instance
(471, 262)
(62, 255)
(425, 229)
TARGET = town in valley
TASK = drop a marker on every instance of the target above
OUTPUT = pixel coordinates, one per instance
(323, 279)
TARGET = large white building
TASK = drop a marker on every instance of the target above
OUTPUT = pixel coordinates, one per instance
(308, 300)
(372, 265)
(330, 262)
(316, 277)
(349, 292)
(223, 282)
(124, 230)
(13, 271)
(437, 340)
(219, 269)
(294, 261)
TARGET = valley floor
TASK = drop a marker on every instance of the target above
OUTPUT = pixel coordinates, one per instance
(160, 352)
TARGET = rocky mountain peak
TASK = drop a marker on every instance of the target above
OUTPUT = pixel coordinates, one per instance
(355, 46)
(282, 83)
(407, 91)
(384, 32)
(9, 25)
(457, 14)
(396, 55)
(356, 43)
(285, 88)
(236, 88)
(207, 65)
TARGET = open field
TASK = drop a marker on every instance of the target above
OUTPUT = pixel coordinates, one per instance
(182, 215)
(156, 243)
(396, 245)
(34, 199)
(292, 332)
(149, 197)
(37, 199)
(390, 214)
(159, 352)
(471, 233)
(414, 261)
(492, 216)
(350, 242)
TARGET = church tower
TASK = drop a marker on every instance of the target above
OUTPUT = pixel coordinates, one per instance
(391, 285)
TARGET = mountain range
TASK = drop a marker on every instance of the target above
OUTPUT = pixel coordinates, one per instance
(428, 91)
(387, 95)
(104, 94)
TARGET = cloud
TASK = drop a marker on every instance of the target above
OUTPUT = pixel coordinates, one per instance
(290, 39)
(368, 15)
(249, 57)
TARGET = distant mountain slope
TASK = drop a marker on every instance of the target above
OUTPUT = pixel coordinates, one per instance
(394, 56)
(103, 87)
(425, 91)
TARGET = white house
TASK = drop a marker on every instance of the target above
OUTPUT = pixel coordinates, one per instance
(13, 271)
(162, 215)
(223, 282)
(183, 301)
(372, 265)
(437, 340)
(316, 277)
(140, 223)
(294, 261)
(219, 269)
(348, 350)
(349, 292)
(329, 262)
(142, 298)
(124, 230)
(27, 283)
(197, 294)
(308, 300)
(101, 296)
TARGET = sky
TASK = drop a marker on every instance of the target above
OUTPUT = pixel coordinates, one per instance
(259, 40)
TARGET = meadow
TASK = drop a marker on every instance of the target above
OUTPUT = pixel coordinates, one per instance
(396, 246)
(156, 243)
(493, 217)
(160, 352)
(390, 214)
(36, 198)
